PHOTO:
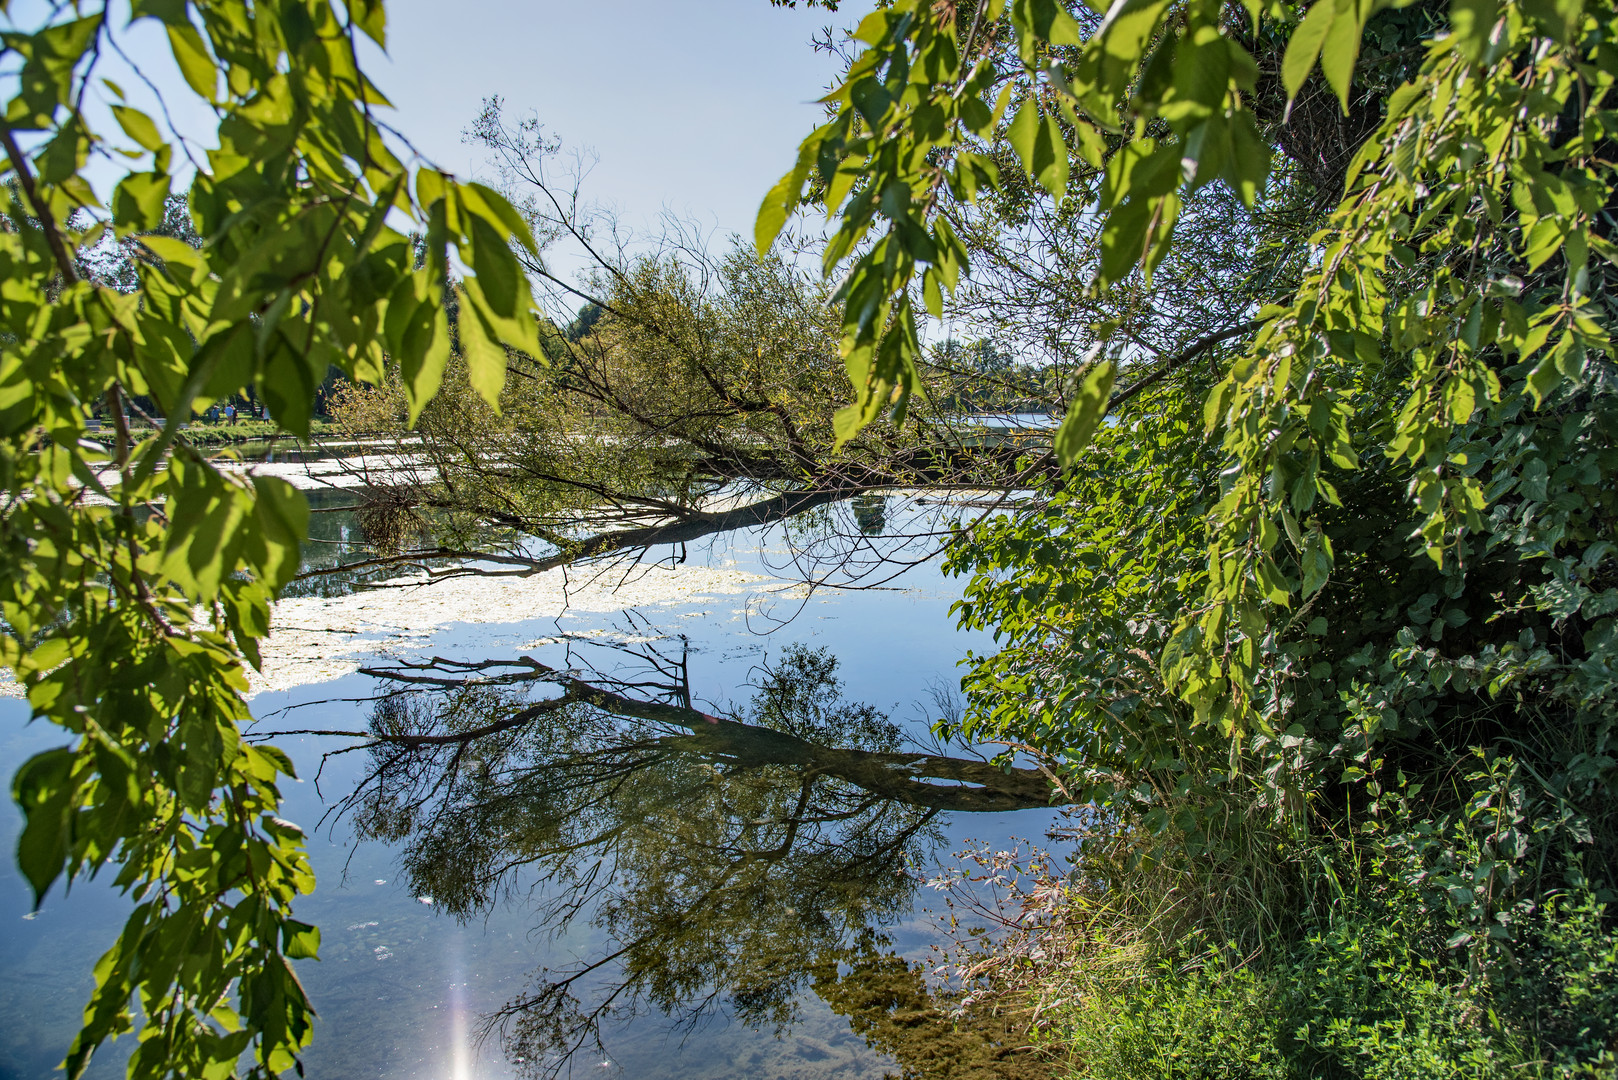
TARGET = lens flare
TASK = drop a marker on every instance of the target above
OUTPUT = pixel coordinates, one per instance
(460, 1045)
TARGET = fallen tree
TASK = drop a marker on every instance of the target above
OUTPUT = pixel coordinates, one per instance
(695, 395)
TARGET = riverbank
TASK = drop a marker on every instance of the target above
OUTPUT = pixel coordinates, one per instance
(218, 432)
(1275, 955)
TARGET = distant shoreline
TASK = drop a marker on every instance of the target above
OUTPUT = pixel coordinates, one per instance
(217, 433)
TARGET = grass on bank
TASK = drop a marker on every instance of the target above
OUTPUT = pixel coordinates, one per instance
(1322, 958)
(1371, 992)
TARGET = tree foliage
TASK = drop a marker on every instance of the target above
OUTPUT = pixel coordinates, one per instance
(136, 581)
(1403, 524)
(1354, 577)
(1493, 149)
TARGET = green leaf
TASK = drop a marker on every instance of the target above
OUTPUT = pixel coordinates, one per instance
(300, 941)
(1048, 20)
(1213, 410)
(205, 513)
(847, 422)
(170, 12)
(1341, 50)
(1092, 147)
(1038, 142)
(1123, 238)
(1024, 133)
(1054, 177)
(171, 250)
(779, 204)
(1472, 21)
(197, 65)
(278, 758)
(1248, 168)
(1560, 19)
(43, 788)
(138, 126)
(161, 356)
(46, 79)
(1243, 68)
(1086, 411)
(1123, 35)
(63, 156)
(288, 381)
(491, 206)
(1304, 47)
(485, 357)
(931, 295)
(229, 359)
(1460, 399)
(418, 334)
(497, 270)
(873, 28)
(1201, 72)
(872, 100)
(138, 201)
(1316, 560)
(1544, 239)
(282, 514)
(517, 330)
(372, 19)
(431, 187)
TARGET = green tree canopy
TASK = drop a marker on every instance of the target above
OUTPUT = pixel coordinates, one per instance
(135, 582)
(1352, 578)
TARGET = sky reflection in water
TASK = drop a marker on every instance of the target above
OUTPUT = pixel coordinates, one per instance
(403, 986)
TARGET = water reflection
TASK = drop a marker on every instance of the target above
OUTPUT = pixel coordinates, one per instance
(870, 512)
(346, 535)
(692, 810)
(720, 863)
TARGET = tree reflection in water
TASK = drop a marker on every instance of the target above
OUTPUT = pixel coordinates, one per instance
(730, 861)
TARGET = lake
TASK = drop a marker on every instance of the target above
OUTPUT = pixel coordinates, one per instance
(740, 911)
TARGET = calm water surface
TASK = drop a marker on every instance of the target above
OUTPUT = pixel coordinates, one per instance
(734, 965)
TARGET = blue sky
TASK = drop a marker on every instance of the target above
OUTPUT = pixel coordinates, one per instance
(694, 108)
